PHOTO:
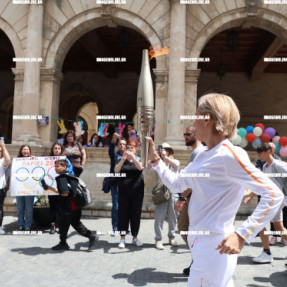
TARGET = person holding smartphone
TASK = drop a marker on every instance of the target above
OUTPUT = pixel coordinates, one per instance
(4, 163)
(115, 156)
(166, 153)
(131, 193)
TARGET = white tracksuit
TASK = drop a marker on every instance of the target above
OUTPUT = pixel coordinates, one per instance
(213, 206)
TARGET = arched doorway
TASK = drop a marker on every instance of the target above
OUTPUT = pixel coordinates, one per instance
(112, 85)
(60, 46)
(7, 86)
(89, 114)
(238, 67)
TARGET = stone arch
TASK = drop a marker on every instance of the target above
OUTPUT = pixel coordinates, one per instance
(14, 39)
(266, 19)
(90, 20)
(89, 111)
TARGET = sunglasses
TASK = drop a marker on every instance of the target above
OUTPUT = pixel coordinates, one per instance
(187, 134)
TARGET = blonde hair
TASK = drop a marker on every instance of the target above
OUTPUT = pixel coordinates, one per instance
(224, 112)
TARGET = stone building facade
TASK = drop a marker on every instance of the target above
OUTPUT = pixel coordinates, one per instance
(49, 30)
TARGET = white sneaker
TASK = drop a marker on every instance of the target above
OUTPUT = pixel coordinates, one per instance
(114, 233)
(273, 240)
(172, 242)
(2, 231)
(263, 258)
(158, 245)
(122, 244)
(137, 242)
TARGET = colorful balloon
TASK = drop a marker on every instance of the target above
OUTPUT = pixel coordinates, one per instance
(278, 147)
(283, 151)
(270, 131)
(276, 139)
(283, 141)
(256, 143)
(265, 138)
(237, 140)
(242, 132)
(260, 126)
(250, 137)
(249, 129)
(243, 143)
(258, 131)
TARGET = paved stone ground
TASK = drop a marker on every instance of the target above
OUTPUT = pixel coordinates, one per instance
(29, 261)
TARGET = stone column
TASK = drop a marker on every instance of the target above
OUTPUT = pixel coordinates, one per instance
(175, 106)
(49, 104)
(17, 107)
(31, 88)
(160, 104)
(190, 100)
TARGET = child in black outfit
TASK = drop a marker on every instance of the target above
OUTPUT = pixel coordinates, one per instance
(69, 213)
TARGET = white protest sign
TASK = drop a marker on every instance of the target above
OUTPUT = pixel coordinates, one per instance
(27, 173)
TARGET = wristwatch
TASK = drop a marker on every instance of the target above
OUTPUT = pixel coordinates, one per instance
(181, 198)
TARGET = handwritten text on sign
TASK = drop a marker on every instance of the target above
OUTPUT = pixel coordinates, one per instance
(27, 173)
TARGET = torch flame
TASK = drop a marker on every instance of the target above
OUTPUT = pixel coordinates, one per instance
(155, 53)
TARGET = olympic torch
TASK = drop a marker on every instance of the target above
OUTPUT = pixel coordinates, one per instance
(145, 106)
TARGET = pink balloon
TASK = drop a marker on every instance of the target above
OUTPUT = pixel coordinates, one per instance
(283, 151)
(276, 139)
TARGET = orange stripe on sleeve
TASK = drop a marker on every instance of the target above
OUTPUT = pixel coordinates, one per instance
(260, 182)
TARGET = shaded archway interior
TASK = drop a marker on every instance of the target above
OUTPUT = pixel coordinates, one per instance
(7, 85)
(111, 85)
(238, 67)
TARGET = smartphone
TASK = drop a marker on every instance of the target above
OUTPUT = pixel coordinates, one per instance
(117, 130)
(2, 139)
(44, 185)
(159, 149)
(128, 147)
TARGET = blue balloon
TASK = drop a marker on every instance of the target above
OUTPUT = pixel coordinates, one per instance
(256, 143)
(249, 129)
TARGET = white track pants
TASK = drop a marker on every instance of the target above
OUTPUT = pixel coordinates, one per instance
(210, 268)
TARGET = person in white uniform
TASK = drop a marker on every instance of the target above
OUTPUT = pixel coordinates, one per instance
(218, 178)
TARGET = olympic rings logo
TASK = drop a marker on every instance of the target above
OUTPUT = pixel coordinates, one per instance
(31, 180)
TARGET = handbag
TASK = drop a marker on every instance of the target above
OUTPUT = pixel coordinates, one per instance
(160, 194)
(106, 185)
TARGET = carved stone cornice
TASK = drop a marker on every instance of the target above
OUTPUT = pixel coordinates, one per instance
(191, 76)
(51, 75)
(161, 76)
(18, 73)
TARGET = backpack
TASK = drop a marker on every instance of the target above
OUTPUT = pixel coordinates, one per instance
(80, 192)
